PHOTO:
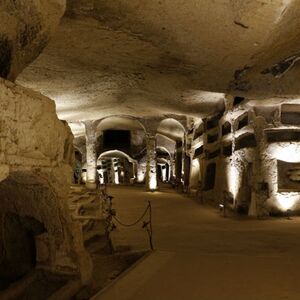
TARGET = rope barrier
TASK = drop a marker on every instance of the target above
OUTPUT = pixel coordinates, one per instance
(134, 223)
(111, 216)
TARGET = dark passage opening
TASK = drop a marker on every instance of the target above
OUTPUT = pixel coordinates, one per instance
(237, 100)
(226, 128)
(17, 247)
(246, 141)
(210, 177)
(116, 139)
(243, 122)
(212, 138)
(227, 150)
(282, 135)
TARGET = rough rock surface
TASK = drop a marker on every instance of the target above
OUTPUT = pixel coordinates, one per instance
(155, 57)
(35, 173)
(25, 28)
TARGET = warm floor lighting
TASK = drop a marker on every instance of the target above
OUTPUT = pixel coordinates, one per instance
(153, 182)
(286, 201)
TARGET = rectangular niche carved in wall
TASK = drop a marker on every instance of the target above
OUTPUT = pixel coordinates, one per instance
(290, 114)
(199, 131)
(246, 141)
(243, 122)
(211, 138)
(288, 177)
(210, 176)
(226, 128)
(282, 135)
(227, 150)
(198, 152)
(290, 118)
(213, 154)
(213, 121)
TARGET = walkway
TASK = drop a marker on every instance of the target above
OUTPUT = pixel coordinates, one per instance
(200, 255)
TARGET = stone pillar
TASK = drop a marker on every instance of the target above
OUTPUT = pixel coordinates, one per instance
(178, 161)
(187, 171)
(173, 168)
(260, 187)
(170, 171)
(91, 156)
(114, 171)
(151, 176)
(134, 172)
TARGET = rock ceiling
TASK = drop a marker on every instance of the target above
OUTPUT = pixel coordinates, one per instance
(157, 57)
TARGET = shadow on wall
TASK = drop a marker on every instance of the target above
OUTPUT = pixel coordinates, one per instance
(34, 229)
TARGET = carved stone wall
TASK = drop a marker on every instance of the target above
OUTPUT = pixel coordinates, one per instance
(36, 157)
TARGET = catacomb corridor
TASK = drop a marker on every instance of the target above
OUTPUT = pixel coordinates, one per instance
(149, 149)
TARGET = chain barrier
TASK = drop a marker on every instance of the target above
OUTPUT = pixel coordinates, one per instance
(111, 216)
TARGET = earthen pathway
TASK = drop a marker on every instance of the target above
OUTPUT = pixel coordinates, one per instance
(200, 255)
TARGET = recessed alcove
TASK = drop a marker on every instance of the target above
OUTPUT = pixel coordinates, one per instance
(226, 128)
(210, 154)
(198, 151)
(282, 135)
(242, 121)
(211, 138)
(247, 140)
(227, 150)
(210, 176)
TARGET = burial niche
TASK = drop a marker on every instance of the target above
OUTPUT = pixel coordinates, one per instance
(210, 176)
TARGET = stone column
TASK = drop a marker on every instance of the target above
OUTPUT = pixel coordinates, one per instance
(178, 161)
(151, 174)
(114, 171)
(187, 171)
(91, 156)
(260, 186)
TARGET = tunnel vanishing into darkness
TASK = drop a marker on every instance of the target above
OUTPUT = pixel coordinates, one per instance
(191, 105)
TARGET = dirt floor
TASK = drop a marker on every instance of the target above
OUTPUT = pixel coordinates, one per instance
(106, 269)
(202, 255)
(180, 223)
(198, 254)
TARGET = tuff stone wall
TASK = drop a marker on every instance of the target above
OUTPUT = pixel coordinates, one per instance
(258, 151)
(36, 156)
(25, 28)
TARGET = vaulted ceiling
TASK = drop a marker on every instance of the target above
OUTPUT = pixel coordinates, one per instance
(157, 57)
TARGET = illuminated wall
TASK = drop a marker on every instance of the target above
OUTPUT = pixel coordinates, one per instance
(246, 144)
(285, 152)
(195, 175)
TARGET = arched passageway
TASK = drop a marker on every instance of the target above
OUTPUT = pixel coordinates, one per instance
(116, 167)
(173, 130)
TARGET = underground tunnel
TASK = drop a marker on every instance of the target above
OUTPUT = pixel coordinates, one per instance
(149, 144)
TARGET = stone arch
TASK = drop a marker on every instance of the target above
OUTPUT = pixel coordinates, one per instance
(163, 149)
(77, 128)
(116, 152)
(112, 168)
(164, 164)
(117, 118)
(174, 130)
(171, 128)
(226, 128)
(124, 126)
(166, 142)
